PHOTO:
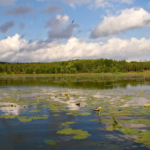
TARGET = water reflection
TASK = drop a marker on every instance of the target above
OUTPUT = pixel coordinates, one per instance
(10, 110)
(137, 101)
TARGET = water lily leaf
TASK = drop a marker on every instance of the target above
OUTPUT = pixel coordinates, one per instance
(32, 111)
(50, 142)
(129, 131)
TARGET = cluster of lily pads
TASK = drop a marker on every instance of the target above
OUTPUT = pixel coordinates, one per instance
(57, 101)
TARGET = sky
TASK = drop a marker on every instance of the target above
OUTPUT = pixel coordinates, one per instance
(42, 30)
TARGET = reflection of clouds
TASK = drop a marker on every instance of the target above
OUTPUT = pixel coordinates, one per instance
(10, 110)
(71, 103)
(121, 137)
(139, 126)
(137, 101)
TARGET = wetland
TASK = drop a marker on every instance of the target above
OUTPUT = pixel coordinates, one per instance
(40, 112)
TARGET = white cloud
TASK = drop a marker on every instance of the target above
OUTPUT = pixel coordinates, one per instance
(7, 2)
(127, 20)
(73, 5)
(19, 50)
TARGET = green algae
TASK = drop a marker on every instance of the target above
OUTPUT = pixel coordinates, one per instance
(32, 111)
(50, 142)
(129, 131)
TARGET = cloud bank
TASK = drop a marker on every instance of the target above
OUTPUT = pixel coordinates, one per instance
(16, 49)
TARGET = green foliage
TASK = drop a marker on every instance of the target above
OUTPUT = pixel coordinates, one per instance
(75, 66)
(37, 70)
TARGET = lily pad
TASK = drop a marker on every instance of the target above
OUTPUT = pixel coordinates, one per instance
(129, 131)
(32, 111)
(50, 142)
(56, 115)
(85, 114)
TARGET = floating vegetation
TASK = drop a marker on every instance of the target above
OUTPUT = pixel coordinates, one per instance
(84, 114)
(69, 113)
(50, 142)
(113, 127)
(56, 115)
(144, 138)
(24, 119)
(32, 111)
(129, 131)
(78, 134)
(8, 116)
(63, 124)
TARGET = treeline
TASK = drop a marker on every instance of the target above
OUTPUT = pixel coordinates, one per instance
(74, 66)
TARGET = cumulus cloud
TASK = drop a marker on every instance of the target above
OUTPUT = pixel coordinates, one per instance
(21, 25)
(19, 10)
(49, 9)
(60, 20)
(6, 26)
(7, 2)
(56, 31)
(127, 20)
(16, 49)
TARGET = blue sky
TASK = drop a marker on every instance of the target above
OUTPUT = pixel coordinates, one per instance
(41, 30)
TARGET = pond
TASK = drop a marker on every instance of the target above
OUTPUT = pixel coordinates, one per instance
(57, 112)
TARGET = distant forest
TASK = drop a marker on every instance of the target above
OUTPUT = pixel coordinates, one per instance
(74, 66)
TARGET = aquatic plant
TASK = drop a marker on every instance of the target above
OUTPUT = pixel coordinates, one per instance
(32, 111)
(84, 114)
(129, 131)
(115, 121)
(56, 115)
(78, 133)
(63, 124)
(50, 142)
(147, 105)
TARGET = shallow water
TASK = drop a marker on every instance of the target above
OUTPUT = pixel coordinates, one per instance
(34, 109)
